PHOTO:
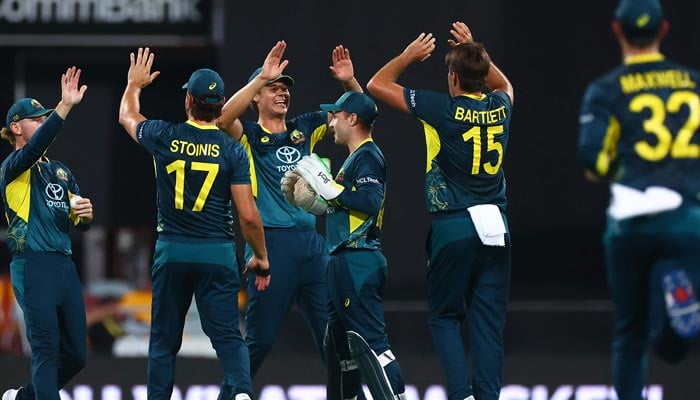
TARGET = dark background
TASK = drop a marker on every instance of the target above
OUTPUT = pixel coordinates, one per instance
(548, 49)
(559, 317)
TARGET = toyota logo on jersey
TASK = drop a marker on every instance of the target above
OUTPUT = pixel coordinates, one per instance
(55, 194)
(288, 155)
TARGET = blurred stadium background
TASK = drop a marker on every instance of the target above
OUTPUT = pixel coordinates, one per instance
(558, 326)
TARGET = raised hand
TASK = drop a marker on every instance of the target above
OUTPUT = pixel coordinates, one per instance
(461, 33)
(421, 48)
(342, 68)
(273, 66)
(70, 94)
(140, 68)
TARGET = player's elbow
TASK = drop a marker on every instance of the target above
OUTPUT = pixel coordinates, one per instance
(373, 87)
(249, 218)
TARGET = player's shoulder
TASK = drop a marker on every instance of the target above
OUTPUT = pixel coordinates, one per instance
(605, 86)
(369, 152)
(58, 163)
(230, 145)
(158, 124)
(432, 95)
(308, 120)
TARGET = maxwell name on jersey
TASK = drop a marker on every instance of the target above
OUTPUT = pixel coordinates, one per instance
(658, 79)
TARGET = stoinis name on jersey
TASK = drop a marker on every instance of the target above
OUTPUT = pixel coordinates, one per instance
(478, 117)
(194, 149)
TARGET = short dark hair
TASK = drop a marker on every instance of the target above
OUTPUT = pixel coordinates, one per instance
(203, 111)
(471, 63)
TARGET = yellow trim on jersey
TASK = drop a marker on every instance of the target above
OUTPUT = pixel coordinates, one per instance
(361, 143)
(609, 150)
(318, 134)
(74, 218)
(19, 195)
(473, 96)
(249, 152)
(644, 58)
(198, 126)
(432, 144)
(356, 218)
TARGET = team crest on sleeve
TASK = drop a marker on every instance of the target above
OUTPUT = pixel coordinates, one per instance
(340, 176)
(62, 174)
(297, 136)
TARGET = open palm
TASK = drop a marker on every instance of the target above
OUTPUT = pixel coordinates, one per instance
(71, 91)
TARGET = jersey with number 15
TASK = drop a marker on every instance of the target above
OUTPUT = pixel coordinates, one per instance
(639, 125)
(195, 166)
(466, 138)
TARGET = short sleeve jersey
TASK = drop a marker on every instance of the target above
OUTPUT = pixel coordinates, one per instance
(466, 139)
(271, 154)
(195, 166)
(639, 125)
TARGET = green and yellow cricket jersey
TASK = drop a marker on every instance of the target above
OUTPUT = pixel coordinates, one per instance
(271, 154)
(466, 138)
(195, 166)
(354, 219)
(638, 125)
(36, 193)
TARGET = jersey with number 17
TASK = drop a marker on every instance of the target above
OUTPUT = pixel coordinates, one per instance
(466, 138)
(195, 166)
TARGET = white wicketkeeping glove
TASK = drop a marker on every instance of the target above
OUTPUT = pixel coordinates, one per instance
(317, 175)
(298, 192)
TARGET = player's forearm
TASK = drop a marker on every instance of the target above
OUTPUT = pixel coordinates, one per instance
(364, 200)
(497, 80)
(383, 84)
(130, 110)
(254, 235)
(237, 104)
(352, 85)
(63, 108)
(42, 138)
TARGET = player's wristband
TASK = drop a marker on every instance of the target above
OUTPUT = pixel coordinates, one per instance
(264, 273)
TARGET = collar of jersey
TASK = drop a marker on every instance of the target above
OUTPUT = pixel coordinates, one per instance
(269, 132)
(198, 126)
(473, 96)
(644, 58)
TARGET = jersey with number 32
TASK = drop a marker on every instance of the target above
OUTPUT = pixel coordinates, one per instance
(466, 138)
(638, 125)
(195, 168)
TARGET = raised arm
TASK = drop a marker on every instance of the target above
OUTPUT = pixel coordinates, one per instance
(343, 71)
(496, 80)
(272, 67)
(383, 84)
(70, 93)
(138, 77)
